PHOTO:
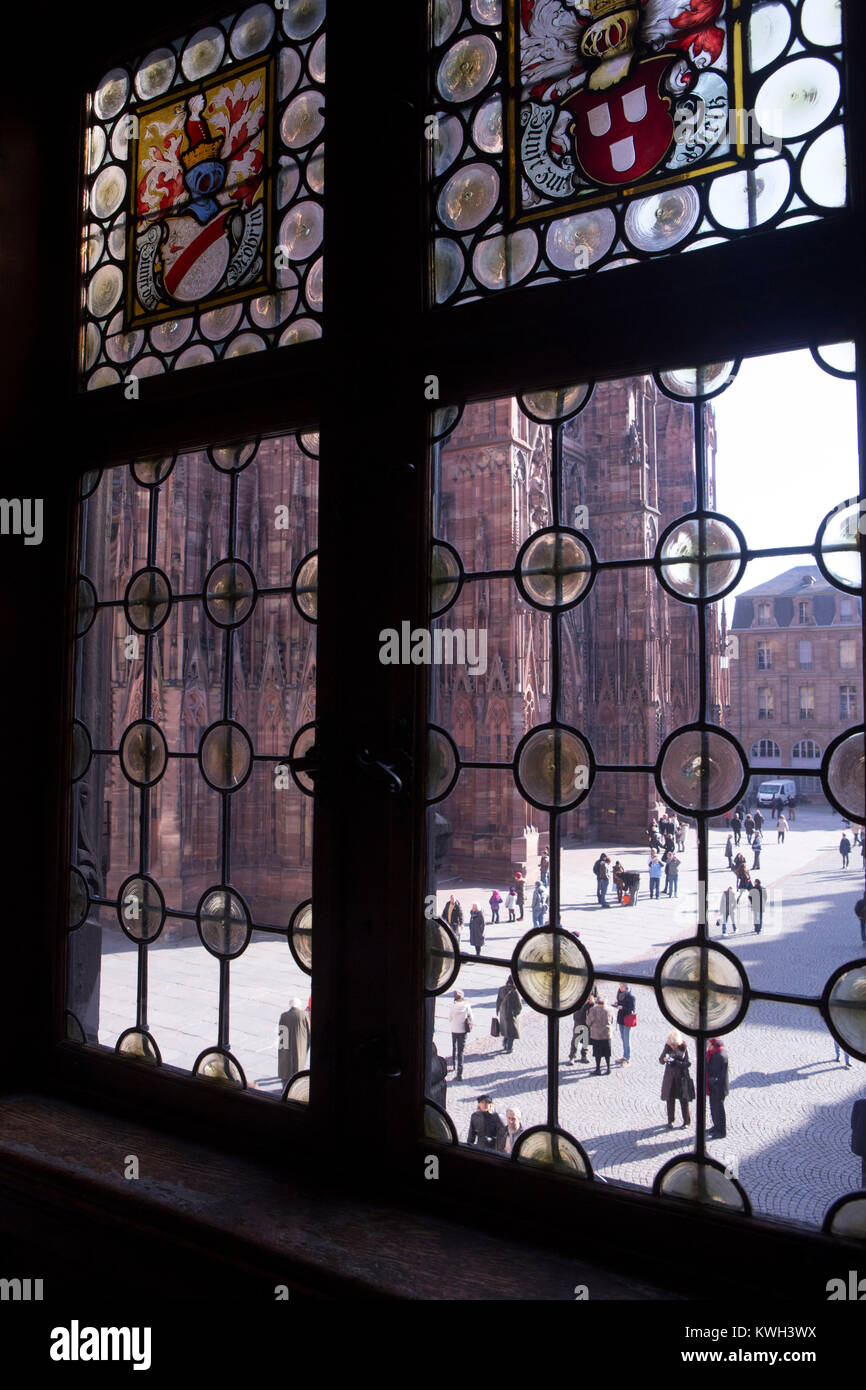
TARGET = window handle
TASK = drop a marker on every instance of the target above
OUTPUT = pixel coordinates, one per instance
(381, 771)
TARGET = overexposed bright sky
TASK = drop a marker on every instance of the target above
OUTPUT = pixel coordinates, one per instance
(787, 454)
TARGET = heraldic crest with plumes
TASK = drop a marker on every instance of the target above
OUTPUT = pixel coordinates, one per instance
(199, 216)
(613, 97)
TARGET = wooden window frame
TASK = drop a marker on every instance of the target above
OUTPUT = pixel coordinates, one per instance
(368, 1053)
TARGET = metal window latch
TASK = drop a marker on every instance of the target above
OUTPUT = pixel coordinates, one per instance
(381, 771)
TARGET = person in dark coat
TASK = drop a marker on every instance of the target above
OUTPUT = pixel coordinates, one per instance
(677, 1084)
(519, 887)
(858, 1137)
(438, 1083)
(749, 826)
(294, 1040)
(729, 851)
(845, 850)
(508, 1006)
(758, 900)
(485, 1126)
(580, 1032)
(544, 869)
(727, 911)
(860, 914)
(476, 928)
(453, 915)
(717, 1087)
(758, 818)
(626, 1007)
(757, 841)
(736, 826)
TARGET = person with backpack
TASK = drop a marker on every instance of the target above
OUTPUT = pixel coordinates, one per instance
(626, 1019)
(845, 850)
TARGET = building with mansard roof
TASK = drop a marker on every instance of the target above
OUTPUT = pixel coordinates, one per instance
(796, 670)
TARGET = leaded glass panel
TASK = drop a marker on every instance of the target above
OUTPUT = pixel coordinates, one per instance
(203, 219)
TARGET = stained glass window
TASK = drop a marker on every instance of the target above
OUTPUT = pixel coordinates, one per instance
(194, 762)
(203, 219)
(571, 135)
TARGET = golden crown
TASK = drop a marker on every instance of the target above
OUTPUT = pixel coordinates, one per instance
(208, 149)
(599, 8)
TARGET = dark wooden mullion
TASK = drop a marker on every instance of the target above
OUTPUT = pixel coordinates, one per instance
(369, 880)
(758, 295)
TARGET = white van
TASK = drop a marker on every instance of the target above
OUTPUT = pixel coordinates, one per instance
(781, 788)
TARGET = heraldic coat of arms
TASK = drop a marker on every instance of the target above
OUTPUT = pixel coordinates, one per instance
(618, 94)
(199, 214)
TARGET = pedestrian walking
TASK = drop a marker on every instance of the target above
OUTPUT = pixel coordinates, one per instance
(602, 875)
(845, 850)
(539, 902)
(758, 901)
(672, 875)
(858, 1136)
(512, 1131)
(729, 850)
(792, 809)
(461, 1024)
(453, 915)
(775, 807)
(626, 1019)
(757, 842)
(476, 928)
(727, 911)
(860, 914)
(717, 1087)
(781, 829)
(508, 1006)
(485, 1126)
(736, 826)
(749, 827)
(495, 901)
(840, 1053)
(519, 889)
(544, 870)
(758, 818)
(655, 874)
(600, 1020)
(580, 1032)
(677, 1084)
(511, 904)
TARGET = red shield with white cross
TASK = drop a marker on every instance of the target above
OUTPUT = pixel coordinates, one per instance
(620, 135)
